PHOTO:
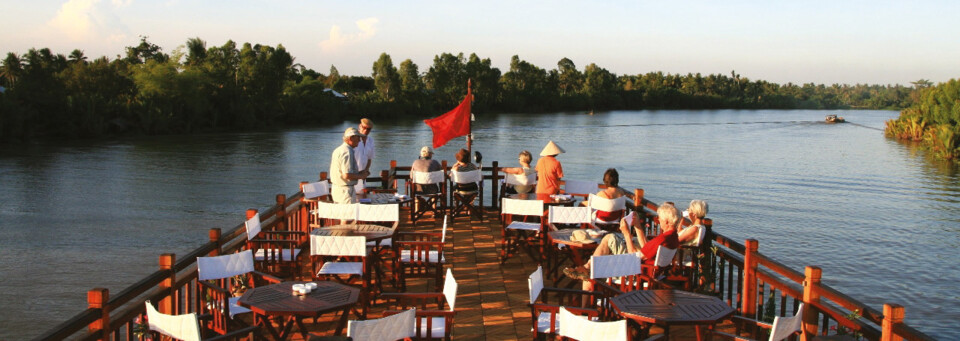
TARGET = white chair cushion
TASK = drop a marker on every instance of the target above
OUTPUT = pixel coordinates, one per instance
(431, 257)
(230, 265)
(437, 329)
(338, 245)
(341, 268)
(569, 215)
(520, 225)
(284, 255)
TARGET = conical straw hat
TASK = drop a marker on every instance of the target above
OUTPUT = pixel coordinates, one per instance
(551, 149)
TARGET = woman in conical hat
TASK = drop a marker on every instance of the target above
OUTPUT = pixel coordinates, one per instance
(549, 170)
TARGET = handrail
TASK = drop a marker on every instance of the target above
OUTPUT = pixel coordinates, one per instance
(756, 275)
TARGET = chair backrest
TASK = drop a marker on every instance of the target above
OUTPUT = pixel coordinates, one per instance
(328, 210)
(579, 187)
(522, 207)
(582, 329)
(520, 179)
(569, 215)
(393, 327)
(535, 282)
(253, 226)
(783, 327)
(316, 189)
(450, 289)
(380, 212)
(473, 176)
(608, 266)
(664, 256)
(609, 205)
(229, 265)
(338, 246)
(701, 233)
(424, 178)
(185, 327)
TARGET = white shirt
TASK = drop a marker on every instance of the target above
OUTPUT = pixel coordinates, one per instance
(364, 152)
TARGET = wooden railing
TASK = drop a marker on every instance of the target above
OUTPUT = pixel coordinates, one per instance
(735, 272)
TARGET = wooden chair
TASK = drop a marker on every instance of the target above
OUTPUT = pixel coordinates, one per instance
(580, 188)
(385, 215)
(394, 327)
(781, 328)
(426, 202)
(689, 259)
(560, 217)
(186, 327)
(313, 193)
(521, 228)
(509, 181)
(543, 311)
(328, 213)
(597, 203)
(464, 197)
(577, 327)
(344, 259)
(273, 251)
(420, 255)
(431, 323)
(218, 278)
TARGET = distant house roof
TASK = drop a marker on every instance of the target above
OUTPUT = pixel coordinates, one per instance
(335, 93)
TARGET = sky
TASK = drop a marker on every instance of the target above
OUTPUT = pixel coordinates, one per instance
(823, 42)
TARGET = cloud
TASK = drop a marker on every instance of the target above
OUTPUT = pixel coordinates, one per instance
(89, 20)
(337, 39)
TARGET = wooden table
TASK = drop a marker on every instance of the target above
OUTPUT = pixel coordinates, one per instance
(372, 232)
(278, 302)
(671, 307)
(577, 250)
(548, 200)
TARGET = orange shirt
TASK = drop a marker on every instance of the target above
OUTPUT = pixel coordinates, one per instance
(549, 173)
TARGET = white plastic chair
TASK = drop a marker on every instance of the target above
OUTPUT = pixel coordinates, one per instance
(579, 328)
(517, 234)
(394, 327)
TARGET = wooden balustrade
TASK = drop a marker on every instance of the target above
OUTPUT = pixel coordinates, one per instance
(737, 273)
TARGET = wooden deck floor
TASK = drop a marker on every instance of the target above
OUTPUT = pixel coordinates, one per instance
(492, 299)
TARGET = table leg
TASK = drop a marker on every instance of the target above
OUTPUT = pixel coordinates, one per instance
(343, 321)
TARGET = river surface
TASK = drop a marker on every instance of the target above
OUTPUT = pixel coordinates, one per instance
(879, 217)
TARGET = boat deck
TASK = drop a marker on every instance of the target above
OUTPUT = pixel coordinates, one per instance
(492, 299)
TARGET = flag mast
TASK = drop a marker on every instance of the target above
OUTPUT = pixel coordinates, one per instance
(470, 121)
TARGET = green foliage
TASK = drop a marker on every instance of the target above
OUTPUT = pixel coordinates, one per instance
(933, 120)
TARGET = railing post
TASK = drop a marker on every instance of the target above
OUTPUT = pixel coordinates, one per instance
(97, 299)
(215, 235)
(810, 297)
(393, 175)
(749, 304)
(494, 185)
(892, 315)
(385, 179)
(281, 213)
(304, 211)
(167, 260)
(323, 176)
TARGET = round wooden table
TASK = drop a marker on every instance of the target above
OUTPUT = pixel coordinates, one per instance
(277, 301)
(671, 307)
(372, 232)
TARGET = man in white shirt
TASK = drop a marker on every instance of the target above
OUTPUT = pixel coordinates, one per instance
(343, 169)
(365, 151)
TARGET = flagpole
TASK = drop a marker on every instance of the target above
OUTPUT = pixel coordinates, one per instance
(470, 122)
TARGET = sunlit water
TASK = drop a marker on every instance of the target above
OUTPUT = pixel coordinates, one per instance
(881, 219)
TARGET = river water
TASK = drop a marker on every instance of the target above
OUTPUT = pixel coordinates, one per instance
(879, 217)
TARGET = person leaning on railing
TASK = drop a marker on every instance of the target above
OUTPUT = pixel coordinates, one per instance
(525, 158)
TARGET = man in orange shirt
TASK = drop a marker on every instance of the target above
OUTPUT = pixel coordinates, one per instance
(549, 170)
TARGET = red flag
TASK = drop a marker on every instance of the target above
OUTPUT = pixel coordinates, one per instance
(454, 123)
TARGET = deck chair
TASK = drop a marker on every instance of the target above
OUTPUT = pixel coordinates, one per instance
(661, 264)
(186, 327)
(511, 180)
(426, 202)
(561, 217)
(521, 228)
(394, 327)
(420, 255)
(780, 329)
(328, 213)
(385, 215)
(274, 251)
(431, 324)
(313, 193)
(623, 272)
(466, 199)
(543, 311)
(579, 328)
(344, 259)
(580, 188)
(597, 203)
(218, 278)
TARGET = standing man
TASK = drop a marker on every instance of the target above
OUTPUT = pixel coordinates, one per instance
(365, 152)
(343, 169)
(549, 170)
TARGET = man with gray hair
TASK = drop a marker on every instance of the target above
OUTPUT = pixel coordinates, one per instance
(426, 164)
(343, 169)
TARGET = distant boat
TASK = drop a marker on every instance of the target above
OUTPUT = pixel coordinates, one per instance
(590, 113)
(835, 119)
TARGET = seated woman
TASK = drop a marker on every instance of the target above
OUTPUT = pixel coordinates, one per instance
(611, 179)
(696, 211)
(525, 170)
(623, 242)
(463, 165)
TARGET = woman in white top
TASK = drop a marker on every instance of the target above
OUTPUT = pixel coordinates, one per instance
(696, 211)
(524, 169)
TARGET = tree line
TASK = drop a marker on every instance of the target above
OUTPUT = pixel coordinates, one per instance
(196, 88)
(933, 120)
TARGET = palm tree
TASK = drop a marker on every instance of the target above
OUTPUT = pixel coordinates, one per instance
(196, 51)
(77, 56)
(11, 69)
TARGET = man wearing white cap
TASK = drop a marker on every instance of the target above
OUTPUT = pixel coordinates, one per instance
(343, 169)
(549, 170)
(426, 164)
